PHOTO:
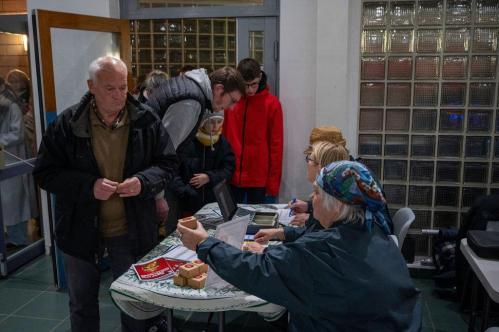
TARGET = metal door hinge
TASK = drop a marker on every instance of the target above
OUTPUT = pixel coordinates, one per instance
(276, 50)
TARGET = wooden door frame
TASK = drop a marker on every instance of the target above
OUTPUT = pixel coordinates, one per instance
(50, 19)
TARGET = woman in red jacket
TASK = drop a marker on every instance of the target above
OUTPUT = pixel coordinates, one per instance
(254, 130)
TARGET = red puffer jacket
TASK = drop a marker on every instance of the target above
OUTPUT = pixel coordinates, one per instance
(254, 130)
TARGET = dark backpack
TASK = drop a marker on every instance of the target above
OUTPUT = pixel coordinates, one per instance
(444, 258)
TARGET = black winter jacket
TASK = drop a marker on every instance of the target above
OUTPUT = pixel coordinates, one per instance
(339, 279)
(66, 167)
(177, 89)
(197, 158)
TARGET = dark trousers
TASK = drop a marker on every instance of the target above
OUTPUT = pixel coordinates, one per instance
(249, 195)
(83, 279)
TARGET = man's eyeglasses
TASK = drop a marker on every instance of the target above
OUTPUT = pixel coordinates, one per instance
(309, 160)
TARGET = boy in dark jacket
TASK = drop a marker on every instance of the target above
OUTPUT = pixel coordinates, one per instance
(205, 161)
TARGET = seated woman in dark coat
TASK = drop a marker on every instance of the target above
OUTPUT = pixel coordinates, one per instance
(348, 277)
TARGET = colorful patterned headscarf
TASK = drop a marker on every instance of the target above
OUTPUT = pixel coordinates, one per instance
(351, 183)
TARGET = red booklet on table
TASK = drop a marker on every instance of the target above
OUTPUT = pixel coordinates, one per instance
(157, 269)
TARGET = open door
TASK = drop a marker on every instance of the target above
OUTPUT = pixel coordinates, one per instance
(66, 44)
(21, 235)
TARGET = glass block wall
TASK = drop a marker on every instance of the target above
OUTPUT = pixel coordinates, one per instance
(196, 3)
(429, 122)
(256, 42)
(172, 43)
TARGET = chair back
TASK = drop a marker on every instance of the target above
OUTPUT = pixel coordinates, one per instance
(395, 239)
(402, 220)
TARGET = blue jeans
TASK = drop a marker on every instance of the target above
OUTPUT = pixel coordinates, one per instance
(83, 279)
(270, 199)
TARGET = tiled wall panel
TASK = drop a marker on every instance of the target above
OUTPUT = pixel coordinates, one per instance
(429, 105)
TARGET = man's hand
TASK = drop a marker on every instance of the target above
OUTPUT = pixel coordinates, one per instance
(300, 219)
(104, 188)
(130, 187)
(191, 237)
(264, 235)
(298, 206)
(162, 209)
(199, 180)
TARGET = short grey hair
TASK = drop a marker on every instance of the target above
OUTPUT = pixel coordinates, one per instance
(348, 213)
(155, 79)
(101, 63)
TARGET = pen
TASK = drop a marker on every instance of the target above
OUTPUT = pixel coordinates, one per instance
(293, 201)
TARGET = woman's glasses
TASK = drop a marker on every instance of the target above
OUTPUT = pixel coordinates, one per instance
(310, 160)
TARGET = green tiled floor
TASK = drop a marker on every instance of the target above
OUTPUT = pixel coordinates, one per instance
(439, 315)
(30, 302)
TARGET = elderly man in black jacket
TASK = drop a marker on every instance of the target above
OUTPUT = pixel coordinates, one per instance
(105, 159)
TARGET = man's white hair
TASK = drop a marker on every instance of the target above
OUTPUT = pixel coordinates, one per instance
(101, 63)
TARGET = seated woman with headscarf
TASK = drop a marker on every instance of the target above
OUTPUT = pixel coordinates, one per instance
(348, 277)
(320, 154)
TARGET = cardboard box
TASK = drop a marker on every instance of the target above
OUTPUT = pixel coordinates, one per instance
(203, 268)
(189, 270)
(197, 282)
(189, 222)
(179, 280)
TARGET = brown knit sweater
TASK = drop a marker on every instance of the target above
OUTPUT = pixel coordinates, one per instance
(109, 147)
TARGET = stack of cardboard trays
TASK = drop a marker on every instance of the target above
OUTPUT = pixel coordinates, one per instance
(192, 274)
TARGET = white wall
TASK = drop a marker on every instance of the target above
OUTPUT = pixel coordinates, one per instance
(297, 86)
(71, 63)
(319, 75)
(106, 8)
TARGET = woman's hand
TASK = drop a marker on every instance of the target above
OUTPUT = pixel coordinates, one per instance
(298, 206)
(253, 247)
(264, 235)
(191, 237)
(300, 219)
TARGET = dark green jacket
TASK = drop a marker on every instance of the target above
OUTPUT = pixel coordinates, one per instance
(293, 233)
(340, 279)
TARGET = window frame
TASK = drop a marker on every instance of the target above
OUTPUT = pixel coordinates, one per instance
(129, 10)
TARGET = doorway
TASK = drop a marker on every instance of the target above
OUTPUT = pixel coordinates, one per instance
(210, 43)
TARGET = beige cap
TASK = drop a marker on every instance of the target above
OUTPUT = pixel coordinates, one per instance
(330, 134)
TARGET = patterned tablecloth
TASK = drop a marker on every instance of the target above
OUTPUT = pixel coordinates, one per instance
(146, 299)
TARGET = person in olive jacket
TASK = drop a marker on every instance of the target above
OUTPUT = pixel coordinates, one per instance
(104, 159)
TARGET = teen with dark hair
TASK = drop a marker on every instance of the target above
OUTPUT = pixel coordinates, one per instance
(254, 130)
